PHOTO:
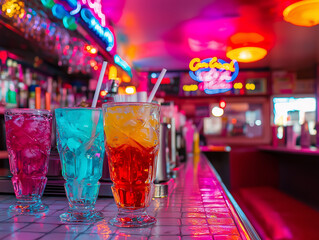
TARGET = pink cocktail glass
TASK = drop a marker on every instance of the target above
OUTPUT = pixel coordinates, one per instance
(28, 137)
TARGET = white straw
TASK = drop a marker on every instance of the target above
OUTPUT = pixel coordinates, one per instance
(99, 83)
(156, 86)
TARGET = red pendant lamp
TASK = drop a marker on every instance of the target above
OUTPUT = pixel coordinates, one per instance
(246, 47)
(302, 13)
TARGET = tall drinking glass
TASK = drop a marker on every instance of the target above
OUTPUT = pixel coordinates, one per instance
(28, 136)
(80, 141)
(132, 144)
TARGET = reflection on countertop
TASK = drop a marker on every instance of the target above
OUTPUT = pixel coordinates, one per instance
(197, 207)
(215, 148)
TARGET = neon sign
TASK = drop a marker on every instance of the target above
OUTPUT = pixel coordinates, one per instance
(190, 88)
(119, 61)
(96, 6)
(165, 80)
(76, 10)
(215, 75)
(102, 32)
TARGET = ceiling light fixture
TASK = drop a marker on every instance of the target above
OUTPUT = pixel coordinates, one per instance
(246, 54)
(302, 13)
(247, 47)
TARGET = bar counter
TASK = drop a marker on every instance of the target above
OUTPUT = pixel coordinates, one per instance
(198, 207)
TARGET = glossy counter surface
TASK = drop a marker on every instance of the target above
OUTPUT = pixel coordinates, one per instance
(313, 151)
(199, 207)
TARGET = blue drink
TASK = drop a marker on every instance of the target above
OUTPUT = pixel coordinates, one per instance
(80, 141)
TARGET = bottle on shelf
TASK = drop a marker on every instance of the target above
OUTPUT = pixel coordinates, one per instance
(70, 98)
(18, 89)
(22, 88)
(3, 88)
(54, 96)
(11, 97)
(32, 88)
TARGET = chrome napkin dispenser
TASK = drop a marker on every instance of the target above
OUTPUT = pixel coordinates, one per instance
(162, 169)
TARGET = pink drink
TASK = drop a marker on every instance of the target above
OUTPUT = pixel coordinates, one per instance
(28, 135)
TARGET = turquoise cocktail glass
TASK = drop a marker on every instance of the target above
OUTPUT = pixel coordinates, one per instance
(80, 142)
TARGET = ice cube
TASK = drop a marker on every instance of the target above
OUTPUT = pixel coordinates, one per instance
(74, 143)
(32, 159)
(37, 125)
(134, 124)
(28, 153)
(18, 121)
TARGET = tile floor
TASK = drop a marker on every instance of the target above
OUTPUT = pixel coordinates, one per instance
(196, 209)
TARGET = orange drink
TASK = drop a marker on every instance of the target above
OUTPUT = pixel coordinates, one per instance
(132, 143)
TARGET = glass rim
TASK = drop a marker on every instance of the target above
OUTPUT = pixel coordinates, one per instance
(28, 110)
(78, 108)
(113, 104)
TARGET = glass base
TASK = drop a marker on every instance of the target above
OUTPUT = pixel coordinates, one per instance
(132, 219)
(28, 209)
(81, 217)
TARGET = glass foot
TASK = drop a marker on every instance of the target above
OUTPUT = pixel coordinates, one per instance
(131, 219)
(81, 217)
(28, 209)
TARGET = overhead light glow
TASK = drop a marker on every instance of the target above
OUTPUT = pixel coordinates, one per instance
(126, 78)
(247, 54)
(153, 75)
(242, 37)
(121, 90)
(91, 49)
(234, 121)
(130, 90)
(222, 104)
(13, 8)
(93, 63)
(103, 93)
(217, 112)
(302, 13)
(112, 72)
(258, 122)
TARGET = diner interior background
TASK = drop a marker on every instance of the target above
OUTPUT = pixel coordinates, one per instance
(264, 141)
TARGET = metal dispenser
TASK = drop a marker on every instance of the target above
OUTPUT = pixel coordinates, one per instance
(162, 162)
(167, 116)
(167, 153)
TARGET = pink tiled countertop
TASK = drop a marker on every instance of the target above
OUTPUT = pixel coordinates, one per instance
(199, 207)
